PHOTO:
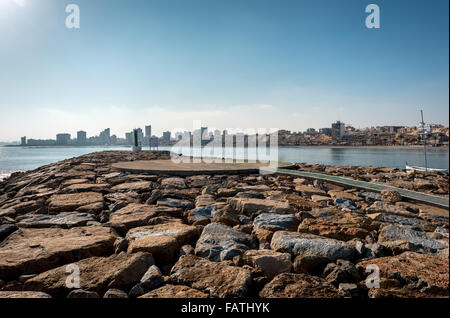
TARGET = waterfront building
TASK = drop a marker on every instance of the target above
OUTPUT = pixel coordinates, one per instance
(23, 141)
(62, 139)
(166, 136)
(81, 137)
(337, 131)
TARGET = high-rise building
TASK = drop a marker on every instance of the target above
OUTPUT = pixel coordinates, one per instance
(129, 137)
(62, 139)
(148, 131)
(81, 137)
(325, 131)
(166, 136)
(337, 130)
(23, 141)
(105, 137)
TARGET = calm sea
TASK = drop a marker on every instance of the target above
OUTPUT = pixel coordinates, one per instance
(26, 158)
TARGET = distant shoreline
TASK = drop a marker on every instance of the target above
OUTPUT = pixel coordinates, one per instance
(283, 146)
(367, 147)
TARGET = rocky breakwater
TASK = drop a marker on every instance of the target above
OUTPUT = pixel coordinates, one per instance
(431, 183)
(150, 236)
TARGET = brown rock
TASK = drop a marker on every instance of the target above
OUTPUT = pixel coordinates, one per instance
(23, 294)
(410, 268)
(288, 285)
(271, 263)
(162, 240)
(70, 202)
(175, 291)
(328, 229)
(217, 279)
(134, 215)
(301, 203)
(138, 186)
(249, 206)
(390, 196)
(97, 274)
(31, 251)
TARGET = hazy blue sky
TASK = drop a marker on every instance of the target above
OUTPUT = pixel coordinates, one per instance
(229, 63)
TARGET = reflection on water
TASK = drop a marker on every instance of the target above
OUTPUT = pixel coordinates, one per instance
(25, 158)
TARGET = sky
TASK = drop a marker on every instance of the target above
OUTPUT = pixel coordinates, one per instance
(228, 63)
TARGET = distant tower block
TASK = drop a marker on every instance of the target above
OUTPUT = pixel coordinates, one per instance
(23, 141)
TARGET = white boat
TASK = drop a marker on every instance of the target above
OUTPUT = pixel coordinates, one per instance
(423, 169)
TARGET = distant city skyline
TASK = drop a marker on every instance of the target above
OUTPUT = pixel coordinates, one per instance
(285, 64)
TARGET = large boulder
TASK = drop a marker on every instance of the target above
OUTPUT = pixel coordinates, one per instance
(288, 285)
(220, 242)
(162, 240)
(134, 215)
(250, 206)
(64, 220)
(311, 251)
(32, 251)
(73, 201)
(97, 274)
(385, 207)
(393, 234)
(215, 278)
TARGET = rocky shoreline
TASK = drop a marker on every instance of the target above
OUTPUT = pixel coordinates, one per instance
(153, 236)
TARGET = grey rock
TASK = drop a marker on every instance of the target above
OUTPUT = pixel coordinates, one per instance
(345, 204)
(272, 221)
(202, 212)
(341, 272)
(219, 242)
(136, 291)
(7, 229)
(64, 220)
(175, 203)
(370, 196)
(303, 244)
(115, 293)
(417, 239)
(152, 278)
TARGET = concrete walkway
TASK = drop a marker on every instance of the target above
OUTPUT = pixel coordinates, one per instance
(370, 186)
